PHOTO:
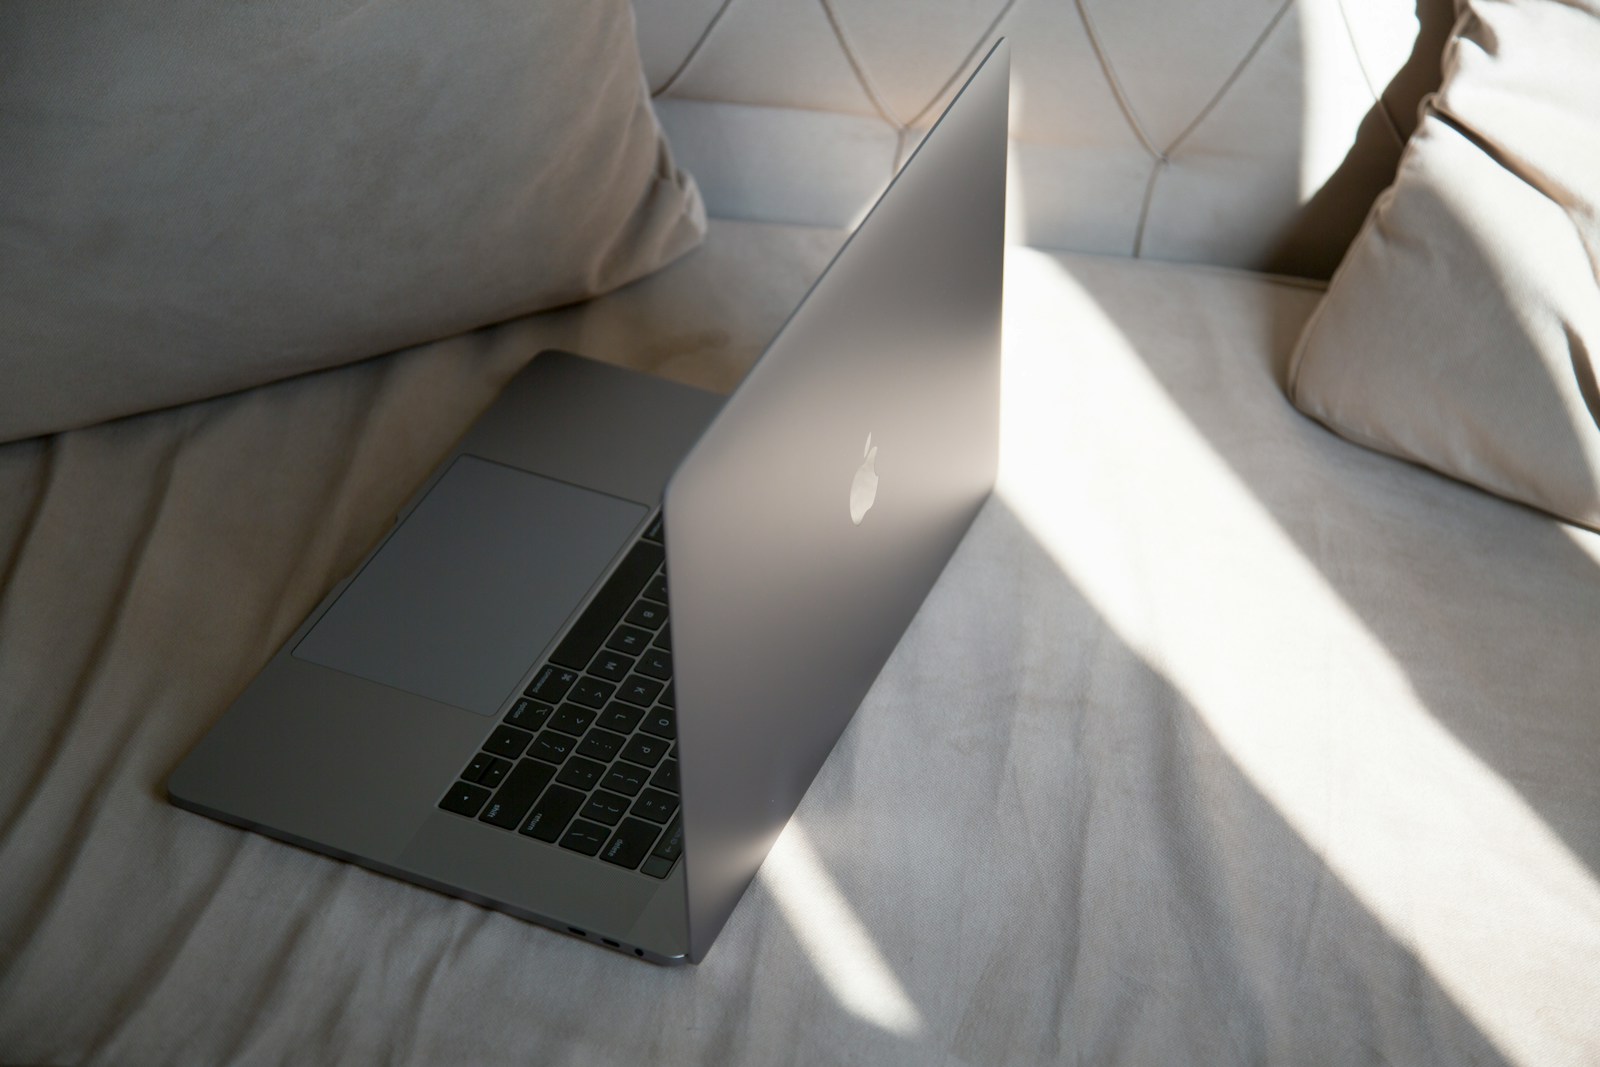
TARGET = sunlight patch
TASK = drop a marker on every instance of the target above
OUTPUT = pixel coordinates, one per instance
(1150, 523)
(835, 941)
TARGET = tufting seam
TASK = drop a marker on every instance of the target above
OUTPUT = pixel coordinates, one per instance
(1163, 156)
(1144, 209)
(902, 149)
(694, 51)
(1114, 82)
(862, 78)
(1366, 75)
(1244, 62)
(966, 61)
(903, 127)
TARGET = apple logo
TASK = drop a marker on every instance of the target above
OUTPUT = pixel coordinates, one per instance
(864, 488)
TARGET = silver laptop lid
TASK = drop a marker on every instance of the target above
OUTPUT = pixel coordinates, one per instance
(807, 525)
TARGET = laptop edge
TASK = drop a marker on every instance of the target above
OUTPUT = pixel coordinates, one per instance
(898, 339)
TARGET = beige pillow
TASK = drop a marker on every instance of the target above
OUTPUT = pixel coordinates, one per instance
(1463, 329)
(198, 197)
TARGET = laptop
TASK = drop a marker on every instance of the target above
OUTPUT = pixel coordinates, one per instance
(594, 666)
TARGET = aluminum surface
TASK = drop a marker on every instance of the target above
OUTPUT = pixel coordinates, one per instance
(797, 556)
(349, 767)
(444, 610)
(784, 609)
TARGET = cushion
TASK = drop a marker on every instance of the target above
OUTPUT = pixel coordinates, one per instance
(1461, 332)
(197, 198)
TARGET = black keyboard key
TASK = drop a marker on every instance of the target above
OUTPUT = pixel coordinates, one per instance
(507, 741)
(643, 749)
(631, 843)
(585, 837)
(551, 683)
(657, 589)
(572, 719)
(592, 692)
(657, 530)
(656, 867)
(479, 764)
(670, 847)
(494, 773)
(605, 807)
(655, 805)
(647, 613)
(612, 666)
(551, 815)
(656, 663)
(465, 798)
(551, 746)
(668, 696)
(528, 714)
(664, 639)
(666, 776)
(662, 722)
(629, 639)
(624, 778)
(621, 717)
(581, 773)
(598, 619)
(639, 690)
(514, 799)
(602, 745)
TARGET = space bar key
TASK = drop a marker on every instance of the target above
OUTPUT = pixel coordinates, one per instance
(615, 597)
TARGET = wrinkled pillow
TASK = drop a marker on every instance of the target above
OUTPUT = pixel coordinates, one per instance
(1462, 330)
(199, 197)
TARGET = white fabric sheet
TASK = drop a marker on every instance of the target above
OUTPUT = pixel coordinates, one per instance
(1220, 740)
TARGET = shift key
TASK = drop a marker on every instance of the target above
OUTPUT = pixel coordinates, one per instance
(659, 863)
(631, 843)
(671, 845)
(517, 795)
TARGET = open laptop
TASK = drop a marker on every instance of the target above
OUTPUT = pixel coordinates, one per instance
(497, 705)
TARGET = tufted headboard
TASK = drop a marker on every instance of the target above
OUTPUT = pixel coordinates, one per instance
(1248, 133)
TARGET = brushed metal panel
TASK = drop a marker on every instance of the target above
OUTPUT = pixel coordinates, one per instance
(783, 609)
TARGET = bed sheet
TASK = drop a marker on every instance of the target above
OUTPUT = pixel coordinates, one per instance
(1220, 740)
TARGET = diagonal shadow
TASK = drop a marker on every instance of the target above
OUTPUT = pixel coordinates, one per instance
(1169, 476)
(1055, 854)
(1313, 243)
(1481, 601)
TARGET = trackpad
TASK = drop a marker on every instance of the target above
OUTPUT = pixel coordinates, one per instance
(466, 593)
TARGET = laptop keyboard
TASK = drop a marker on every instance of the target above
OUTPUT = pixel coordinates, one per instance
(585, 759)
